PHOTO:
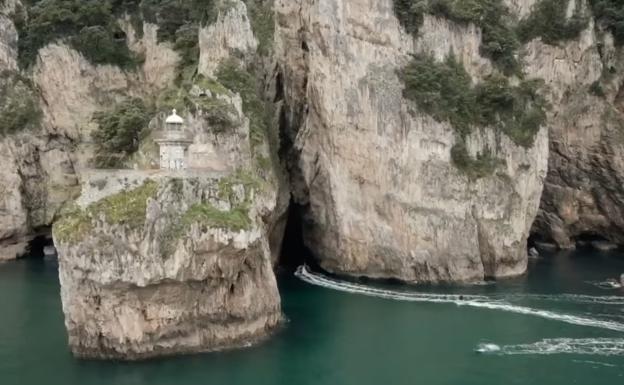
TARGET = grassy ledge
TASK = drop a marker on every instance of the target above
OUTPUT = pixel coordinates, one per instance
(126, 208)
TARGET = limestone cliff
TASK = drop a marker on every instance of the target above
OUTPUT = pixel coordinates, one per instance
(382, 196)
(396, 180)
(583, 193)
(170, 264)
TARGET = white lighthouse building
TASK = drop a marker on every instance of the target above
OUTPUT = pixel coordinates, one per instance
(173, 144)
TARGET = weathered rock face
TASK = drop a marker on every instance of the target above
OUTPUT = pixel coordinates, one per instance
(155, 263)
(583, 194)
(383, 198)
(168, 265)
(231, 34)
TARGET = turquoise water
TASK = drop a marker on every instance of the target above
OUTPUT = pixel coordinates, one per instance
(382, 334)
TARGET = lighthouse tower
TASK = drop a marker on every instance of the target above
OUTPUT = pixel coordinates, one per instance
(173, 144)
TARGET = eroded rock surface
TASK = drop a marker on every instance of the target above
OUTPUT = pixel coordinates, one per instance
(382, 196)
(169, 265)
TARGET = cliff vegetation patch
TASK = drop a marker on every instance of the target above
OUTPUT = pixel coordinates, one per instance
(238, 189)
(610, 16)
(235, 77)
(262, 22)
(119, 132)
(125, 208)
(89, 26)
(549, 20)
(19, 107)
(499, 41)
(204, 97)
(444, 90)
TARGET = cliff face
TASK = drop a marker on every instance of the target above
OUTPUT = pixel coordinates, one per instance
(583, 191)
(416, 139)
(156, 263)
(170, 264)
(383, 198)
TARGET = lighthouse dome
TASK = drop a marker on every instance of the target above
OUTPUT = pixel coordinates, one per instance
(174, 118)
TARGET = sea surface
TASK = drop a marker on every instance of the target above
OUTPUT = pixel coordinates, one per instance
(559, 324)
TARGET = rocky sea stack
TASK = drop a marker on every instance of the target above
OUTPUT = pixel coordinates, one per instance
(423, 141)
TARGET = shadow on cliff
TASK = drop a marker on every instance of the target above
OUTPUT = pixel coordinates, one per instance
(294, 252)
(37, 246)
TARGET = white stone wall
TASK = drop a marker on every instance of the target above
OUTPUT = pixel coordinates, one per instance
(172, 156)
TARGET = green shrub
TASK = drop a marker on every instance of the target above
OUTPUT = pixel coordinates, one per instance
(596, 89)
(19, 106)
(411, 13)
(99, 47)
(179, 22)
(127, 207)
(119, 132)
(442, 90)
(610, 15)
(475, 168)
(88, 25)
(262, 22)
(205, 214)
(499, 41)
(549, 21)
(219, 113)
(518, 111)
(239, 80)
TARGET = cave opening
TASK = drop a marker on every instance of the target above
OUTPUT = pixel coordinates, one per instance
(41, 245)
(294, 252)
(592, 240)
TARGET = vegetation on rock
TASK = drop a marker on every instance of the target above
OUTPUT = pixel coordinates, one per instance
(126, 208)
(89, 26)
(499, 41)
(445, 91)
(610, 15)
(548, 20)
(119, 132)
(19, 107)
(203, 98)
(262, 22)
(207, 215)
(236, 78)
(475, 168)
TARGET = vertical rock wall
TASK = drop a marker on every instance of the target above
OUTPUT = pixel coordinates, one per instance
(382, 197)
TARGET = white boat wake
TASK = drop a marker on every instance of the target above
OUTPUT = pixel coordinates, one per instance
(581, 346)
(476, 301)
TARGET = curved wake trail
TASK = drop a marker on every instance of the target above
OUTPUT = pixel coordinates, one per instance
(574, 298)
(476, 301)
(586, 346)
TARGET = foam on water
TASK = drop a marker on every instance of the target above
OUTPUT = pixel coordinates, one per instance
(573, 298)
(477, 301)
(487, 348)
(585, 346)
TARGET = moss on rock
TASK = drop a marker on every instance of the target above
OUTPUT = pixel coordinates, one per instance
(19, 106)
(127, 208)
(73, 225)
